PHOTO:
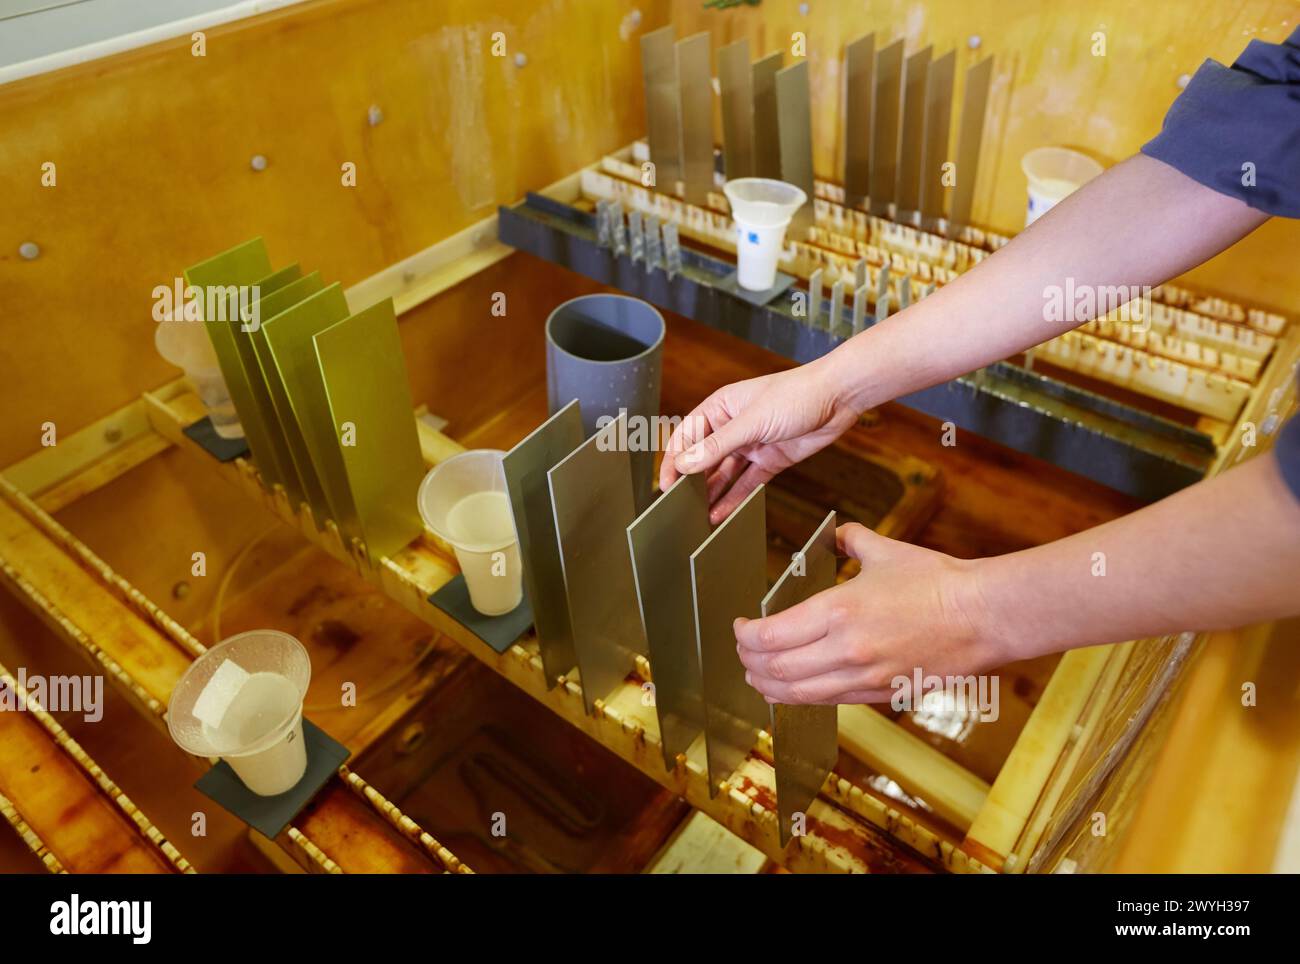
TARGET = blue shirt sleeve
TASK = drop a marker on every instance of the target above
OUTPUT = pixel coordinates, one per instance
(1237, 129)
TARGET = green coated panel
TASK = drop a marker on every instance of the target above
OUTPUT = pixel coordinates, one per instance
(288, 337)
(242, 267)
(269, 306)
(365, 381)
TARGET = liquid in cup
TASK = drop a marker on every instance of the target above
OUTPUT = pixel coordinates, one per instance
(464, 501)
(1054, 173)
(252, 710)
(762, 209)
(187, 346)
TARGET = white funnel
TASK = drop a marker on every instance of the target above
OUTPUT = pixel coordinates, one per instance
(242, 701)
(762, 209)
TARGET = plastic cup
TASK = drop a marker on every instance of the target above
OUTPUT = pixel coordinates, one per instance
(1054, 173)
(186, 345)
(248, 692)
(762, 209)
(464, 501)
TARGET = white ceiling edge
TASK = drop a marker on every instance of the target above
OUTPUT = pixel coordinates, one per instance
(239, 10)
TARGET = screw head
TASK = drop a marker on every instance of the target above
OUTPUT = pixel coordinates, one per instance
(974, 41)
(1183, 80)
(374, 115)
(29, 250)
(258, 162)
(521, 59)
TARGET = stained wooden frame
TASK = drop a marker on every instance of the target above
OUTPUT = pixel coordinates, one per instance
(621, 722)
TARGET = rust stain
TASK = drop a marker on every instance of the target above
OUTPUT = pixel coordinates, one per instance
(335, 634)
(760, 794)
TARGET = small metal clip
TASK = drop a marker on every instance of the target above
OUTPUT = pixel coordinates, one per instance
(860, 309)
(672, 251)
(814, 298)
(618, 234)
(653, 247)
(837, 307)
(635, 236)
(602, 224)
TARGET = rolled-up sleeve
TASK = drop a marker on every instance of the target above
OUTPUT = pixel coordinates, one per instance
(1237, 129)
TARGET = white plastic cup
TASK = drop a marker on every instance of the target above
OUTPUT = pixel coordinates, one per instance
(762, 209)
(1053, 174)
(465, 502)
(187, 346)
(253, 723)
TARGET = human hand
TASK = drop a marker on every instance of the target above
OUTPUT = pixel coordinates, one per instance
(909, 607)
(745, 433)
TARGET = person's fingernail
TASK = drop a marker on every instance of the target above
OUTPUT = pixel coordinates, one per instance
(689, 457)
(747, 678)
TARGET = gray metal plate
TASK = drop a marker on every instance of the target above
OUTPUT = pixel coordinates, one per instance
(794, 107)
(804, 738)
(731, 284)
(661, 542)
(884, 141)
(974, 103)
(728, 577)
(907, 194)
(591, 492)
(525, 468)
(736, 82)
(695, 77)
(859, 64)
(934, 151)
(663, 122)
(767, 138)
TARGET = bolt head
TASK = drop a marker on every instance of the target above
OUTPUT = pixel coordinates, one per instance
(258, 162)
(29, 250)
(521, 59)
(974, 41)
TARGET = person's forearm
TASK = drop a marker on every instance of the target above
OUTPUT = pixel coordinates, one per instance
(1139, 224)
(1220, 554)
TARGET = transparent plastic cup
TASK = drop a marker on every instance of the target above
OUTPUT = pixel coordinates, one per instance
(464, 501)
(762, 209)
(1053, 174)
(186, 345)
(249, 712)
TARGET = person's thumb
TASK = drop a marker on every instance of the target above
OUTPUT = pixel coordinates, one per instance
(708, 453)
(858, 542)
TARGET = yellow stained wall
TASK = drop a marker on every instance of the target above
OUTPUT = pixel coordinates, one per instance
(1047, 88)
(152, 151)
